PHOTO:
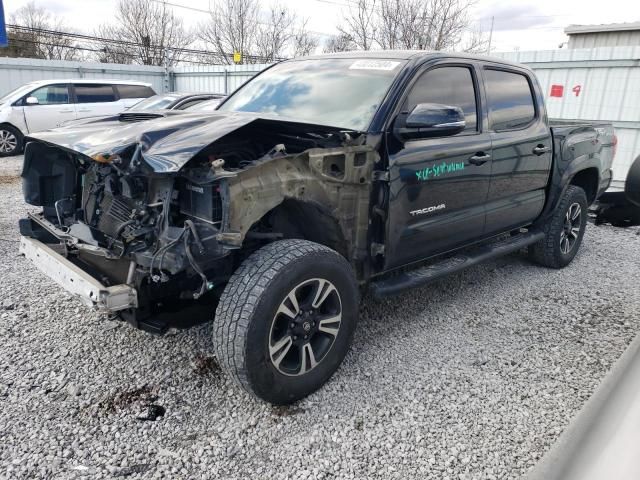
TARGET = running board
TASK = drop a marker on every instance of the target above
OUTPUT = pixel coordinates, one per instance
(427, 274)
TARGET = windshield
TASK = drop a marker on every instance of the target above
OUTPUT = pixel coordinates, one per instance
(337, 92)
(20, 90)
(156, 102)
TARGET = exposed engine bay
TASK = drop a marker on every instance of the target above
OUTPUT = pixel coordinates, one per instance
(181, 234)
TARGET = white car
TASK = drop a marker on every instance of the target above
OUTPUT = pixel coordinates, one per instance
(47, 104)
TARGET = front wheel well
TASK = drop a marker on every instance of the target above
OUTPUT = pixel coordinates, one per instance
(295, 219)
(588, 180)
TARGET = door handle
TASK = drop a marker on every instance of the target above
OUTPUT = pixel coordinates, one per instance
(84, 110)
(65, 111)
(540, 150)
(480, 158)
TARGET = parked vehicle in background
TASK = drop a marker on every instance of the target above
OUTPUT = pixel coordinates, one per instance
(208, 106)
(46, 104)
(175, 101)
(158, 106)
(379, 170)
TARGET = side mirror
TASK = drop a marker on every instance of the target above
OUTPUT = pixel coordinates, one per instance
(428, 120)
(31, 101)
(632, 185)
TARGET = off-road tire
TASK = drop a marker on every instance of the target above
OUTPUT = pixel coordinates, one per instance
(248, 306)
(547, 252)
(19, 140)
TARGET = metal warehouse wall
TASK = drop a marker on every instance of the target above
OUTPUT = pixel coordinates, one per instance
(604, 39)
(213, 78)
(18, 71)
(593, 84)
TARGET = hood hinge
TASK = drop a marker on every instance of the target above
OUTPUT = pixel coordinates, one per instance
(381, 176)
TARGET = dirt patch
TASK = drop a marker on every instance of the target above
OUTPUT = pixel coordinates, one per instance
(205, 365)
(4, 180)
(127, 399)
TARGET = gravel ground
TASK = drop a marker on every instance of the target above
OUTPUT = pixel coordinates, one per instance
(10, 166)
(472, 377)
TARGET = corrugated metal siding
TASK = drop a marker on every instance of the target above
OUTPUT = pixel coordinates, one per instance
(609, 78)
(15, 72)
(604, 39)
(213, 78)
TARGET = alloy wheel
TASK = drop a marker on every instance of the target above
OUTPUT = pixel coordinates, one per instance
(8, 141)
(305, 327)
(571, 228)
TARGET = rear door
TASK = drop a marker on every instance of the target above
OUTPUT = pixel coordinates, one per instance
(522, 148)
(96, 99)
(53, 108)
(438, 186)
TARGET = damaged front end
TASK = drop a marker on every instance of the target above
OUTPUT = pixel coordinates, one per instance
(144, 218)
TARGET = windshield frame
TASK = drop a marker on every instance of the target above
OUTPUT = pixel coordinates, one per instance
(405, 64)
(23, 89)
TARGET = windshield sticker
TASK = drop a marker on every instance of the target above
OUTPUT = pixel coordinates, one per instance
(437, 170)
(373, 65)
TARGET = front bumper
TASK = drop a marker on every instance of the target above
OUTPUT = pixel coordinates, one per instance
(90, 291)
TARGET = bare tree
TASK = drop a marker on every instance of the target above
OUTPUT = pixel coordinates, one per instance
(408, 24)
(148, 30)
(233, 27)
(273, 35)
(339, 43)
(361, 22)
(476, 41)
(37, 35)
(304, 43)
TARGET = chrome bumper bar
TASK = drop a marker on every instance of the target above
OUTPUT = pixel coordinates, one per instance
(90, 291)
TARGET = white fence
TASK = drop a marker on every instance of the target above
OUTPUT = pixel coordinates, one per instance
(15, 72)
(593, 84)
(213, 78)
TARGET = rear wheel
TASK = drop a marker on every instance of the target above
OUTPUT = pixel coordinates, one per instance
(286, 319)
(10, 141)
(563, 231)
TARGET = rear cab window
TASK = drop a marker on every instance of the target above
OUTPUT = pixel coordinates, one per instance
(510, 100)
(94, 93)
(135, 91)
(447, 85)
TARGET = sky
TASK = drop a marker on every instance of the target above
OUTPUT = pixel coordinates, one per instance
(518, 25)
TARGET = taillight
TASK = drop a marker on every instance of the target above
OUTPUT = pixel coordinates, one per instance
(614, 145)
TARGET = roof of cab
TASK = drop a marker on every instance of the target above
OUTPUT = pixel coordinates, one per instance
(89, 80)
(410, 55)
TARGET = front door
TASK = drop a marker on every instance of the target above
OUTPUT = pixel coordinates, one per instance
(438, 186)
(53, 108)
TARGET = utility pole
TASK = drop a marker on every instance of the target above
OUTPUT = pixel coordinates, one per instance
(490, 36)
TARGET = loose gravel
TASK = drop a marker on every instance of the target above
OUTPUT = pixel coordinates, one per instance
(10, 166)
(472, 377)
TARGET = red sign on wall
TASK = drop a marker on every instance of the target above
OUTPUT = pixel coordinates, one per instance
(557, 90)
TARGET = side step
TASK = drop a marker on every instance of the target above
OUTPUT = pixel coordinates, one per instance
(429, 273)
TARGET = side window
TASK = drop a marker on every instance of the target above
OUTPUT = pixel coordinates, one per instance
(451, 86)
(94, 93)
(510, 100)
(134, 91)
(51, 94)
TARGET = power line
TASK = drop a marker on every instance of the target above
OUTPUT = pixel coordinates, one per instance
(201, 10)
(125, 43)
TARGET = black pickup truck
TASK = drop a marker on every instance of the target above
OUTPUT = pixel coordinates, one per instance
(319, 179)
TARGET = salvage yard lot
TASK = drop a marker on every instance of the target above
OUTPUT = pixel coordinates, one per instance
(472, 377)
